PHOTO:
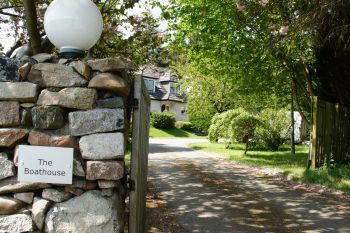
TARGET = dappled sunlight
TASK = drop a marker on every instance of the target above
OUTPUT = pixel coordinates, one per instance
(293, 167)
(208, 194)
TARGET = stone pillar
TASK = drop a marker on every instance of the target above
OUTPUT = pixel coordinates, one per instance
(62, 103)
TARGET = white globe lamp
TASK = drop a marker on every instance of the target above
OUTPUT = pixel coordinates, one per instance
(73, 26)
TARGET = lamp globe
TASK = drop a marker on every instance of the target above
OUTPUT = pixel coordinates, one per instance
(73, 26)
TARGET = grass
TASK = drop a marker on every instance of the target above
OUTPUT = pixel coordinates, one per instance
(285, 162)
(171, 133)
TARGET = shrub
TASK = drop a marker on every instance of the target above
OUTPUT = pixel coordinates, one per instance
(185, 125)
(243, 127)
(274, 129)
(163, 120)
(220, 124)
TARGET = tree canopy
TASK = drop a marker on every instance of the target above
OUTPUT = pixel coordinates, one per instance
(266, 49)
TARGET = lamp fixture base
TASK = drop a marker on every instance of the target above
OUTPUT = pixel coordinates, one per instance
(71, 53)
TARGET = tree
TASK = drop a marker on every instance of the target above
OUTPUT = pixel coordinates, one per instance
(32, 25)
(243, 128)
(274, 128)
(206, 95)
(258, 45)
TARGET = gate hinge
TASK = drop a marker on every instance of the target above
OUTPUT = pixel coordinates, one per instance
(135, 104)
(131, 184)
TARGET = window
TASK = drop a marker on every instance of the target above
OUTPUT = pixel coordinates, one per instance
(149, 84)
(175, 88)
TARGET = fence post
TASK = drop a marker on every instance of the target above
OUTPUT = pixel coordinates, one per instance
(314, 132)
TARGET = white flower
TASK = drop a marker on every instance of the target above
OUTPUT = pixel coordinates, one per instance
(275, 32)
(283, 30)
(263, 2)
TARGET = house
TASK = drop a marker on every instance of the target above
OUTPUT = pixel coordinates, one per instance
(165, 91)
(300, 128)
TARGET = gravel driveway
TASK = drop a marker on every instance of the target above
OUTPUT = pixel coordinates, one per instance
(208, 194)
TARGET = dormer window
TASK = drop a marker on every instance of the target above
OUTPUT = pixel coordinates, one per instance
(175, 88)
(150, 84)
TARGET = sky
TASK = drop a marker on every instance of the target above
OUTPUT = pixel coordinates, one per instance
(8, 41)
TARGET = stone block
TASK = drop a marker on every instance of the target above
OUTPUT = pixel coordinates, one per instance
(82, 68)
(25, 197)
(43, 57)
(22, 92)
(73, 190)
(78, 169)
(16, 223)
(110, 82)
(39, 210)
(8, 69)
(9, 137)
(7, 168)
(115, 64)
(9, 114)
(56, 195)
(9, 205)
(107, 184)
(107, 192)
(95, 121)
(55, 75)
(102, 146)
(104, 170)
(24, 70)
(76, 98)
(27, 105)
(99, 214)
(116, 102)
(26, 118)
(47, 117)
(11, 185)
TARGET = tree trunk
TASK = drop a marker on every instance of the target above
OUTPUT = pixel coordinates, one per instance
(246, 146)
(32, 26)
(292, 143)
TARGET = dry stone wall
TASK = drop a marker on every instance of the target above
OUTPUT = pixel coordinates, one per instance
(63, 103)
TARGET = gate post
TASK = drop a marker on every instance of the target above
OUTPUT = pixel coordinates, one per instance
(139, 157)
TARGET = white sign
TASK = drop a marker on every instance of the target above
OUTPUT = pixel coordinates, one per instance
(45, 164)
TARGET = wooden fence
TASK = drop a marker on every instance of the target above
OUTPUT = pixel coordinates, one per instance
(139, 157)
(330, 134)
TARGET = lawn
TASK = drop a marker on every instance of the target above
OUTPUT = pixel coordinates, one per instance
(171, 133)
(285, 162)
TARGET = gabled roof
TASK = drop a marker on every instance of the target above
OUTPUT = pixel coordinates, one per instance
(162, 76)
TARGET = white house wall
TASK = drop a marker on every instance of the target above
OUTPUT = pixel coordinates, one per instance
(174, 106)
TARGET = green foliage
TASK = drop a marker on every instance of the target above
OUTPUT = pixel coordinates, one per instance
(171, 133)
(200, 117)
(274, 129)
(243, 127)
(185, 125)
(221, 124)
(163, 120)
(257, 50)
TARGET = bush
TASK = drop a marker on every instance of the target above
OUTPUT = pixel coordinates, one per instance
(220, 124)
(163, 120)
(274, 129)
(185, 125)
(243, 127)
